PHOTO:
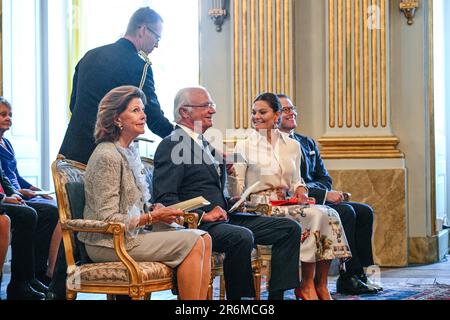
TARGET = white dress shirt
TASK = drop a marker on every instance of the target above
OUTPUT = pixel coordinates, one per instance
(275, 165)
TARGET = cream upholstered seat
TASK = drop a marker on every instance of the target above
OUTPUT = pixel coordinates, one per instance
(126, 277)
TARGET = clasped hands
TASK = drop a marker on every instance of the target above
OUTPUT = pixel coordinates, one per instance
(301, 193)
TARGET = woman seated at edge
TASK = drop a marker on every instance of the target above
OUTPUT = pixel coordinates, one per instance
(115, 184)
(5, 225)
(273, 159)
(44, 205)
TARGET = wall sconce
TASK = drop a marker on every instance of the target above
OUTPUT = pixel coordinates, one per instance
(218, 13)
(409, 7)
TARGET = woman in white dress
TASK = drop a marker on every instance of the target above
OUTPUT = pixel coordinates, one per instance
(273, 160)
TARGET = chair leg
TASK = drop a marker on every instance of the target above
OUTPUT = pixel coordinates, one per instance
(268, 275)
(222, 287)
(110, 297)
(257, 280)
(210, 289)
(71, 295)
(148, 296)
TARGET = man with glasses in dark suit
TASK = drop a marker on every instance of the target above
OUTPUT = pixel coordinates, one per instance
(186, 166)
(357, 218)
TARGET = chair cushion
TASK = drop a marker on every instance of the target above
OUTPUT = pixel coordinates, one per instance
(75, 193)
(116, 273)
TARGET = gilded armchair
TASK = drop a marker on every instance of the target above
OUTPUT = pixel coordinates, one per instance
(127, 277)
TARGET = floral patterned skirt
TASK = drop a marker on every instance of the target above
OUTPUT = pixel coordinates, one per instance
(323, 236)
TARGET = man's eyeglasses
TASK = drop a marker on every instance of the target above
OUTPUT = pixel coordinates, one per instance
(291, 109)
(206, 105)
(158, 37)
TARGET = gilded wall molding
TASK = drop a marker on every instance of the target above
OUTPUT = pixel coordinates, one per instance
(360, 148)
(357, 32)
(358, 81)
(262, 53)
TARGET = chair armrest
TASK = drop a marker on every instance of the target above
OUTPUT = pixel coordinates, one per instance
(93, 226)
(191, 218)
(117, 229)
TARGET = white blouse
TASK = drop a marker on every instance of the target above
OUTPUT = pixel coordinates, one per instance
(275, 165)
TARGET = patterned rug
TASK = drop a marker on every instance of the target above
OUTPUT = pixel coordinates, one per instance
(391, 291)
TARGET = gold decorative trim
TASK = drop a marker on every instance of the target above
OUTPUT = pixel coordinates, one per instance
(270, 66)
(348, 62)
(332, 93)
(374, 70)
(340, 29)
(360, 148)
(245, 63)
(366, 63)
(383, 46)
(357, 48)
(278, 39)
(262, 43)
(287, 43)
(237, 61)
(253, 30)
(358, 98)
(262, 53)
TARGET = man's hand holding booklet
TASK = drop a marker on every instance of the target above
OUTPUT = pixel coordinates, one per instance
(244, 196)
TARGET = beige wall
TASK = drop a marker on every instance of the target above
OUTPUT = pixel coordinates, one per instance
(216, 66)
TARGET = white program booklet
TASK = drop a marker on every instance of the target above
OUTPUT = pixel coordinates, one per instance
(244, 196)
(43, 192)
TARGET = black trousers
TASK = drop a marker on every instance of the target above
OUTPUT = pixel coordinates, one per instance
(237, 240)
(357, 220)
(32, 227)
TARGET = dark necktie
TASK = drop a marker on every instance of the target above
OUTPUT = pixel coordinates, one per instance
(207, 149)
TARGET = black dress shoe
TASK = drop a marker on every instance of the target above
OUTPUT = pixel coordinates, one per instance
(38, 286)
(44, 280)
(55, 296)
(351, 285)
(369, 282)
(23, 291)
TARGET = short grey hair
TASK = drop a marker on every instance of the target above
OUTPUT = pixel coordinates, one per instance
(181, 99)
(142, 16)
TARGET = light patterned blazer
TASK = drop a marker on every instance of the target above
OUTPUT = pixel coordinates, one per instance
(110, 191)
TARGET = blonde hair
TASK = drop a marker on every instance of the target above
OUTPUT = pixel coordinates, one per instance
(111, 106)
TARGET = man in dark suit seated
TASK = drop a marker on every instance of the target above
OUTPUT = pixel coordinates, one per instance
(186, 166)
(357, 218)
(32, 229)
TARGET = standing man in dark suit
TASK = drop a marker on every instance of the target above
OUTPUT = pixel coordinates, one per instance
(105, 68)
(186, 166)
(357, 218)
(98, 72)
